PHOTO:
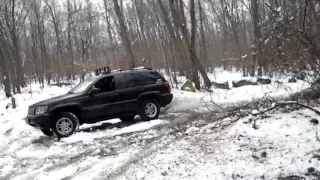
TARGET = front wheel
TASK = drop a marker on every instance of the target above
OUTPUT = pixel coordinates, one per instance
(65, 124)
(149, 110)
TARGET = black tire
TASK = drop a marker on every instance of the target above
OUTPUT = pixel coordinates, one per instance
(127, 118)
(47, 132)
(143, 112)
(70, 128)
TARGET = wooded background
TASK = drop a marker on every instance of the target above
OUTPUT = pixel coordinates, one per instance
(57, 40)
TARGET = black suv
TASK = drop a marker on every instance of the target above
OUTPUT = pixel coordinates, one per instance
(110, 94)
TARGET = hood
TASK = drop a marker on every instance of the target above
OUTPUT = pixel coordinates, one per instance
(56, 99)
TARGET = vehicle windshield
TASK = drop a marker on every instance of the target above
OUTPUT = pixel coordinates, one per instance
(81, 87)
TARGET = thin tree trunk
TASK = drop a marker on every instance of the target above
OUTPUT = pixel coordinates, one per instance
(203, 46)
(257, 36)
(69, 40)
(192, 45)
(5, 75)
(123, 33)
(110, 34)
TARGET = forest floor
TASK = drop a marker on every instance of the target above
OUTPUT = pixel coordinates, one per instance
(184, 143)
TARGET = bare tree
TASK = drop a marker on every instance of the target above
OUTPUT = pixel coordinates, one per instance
(110, 33)
(56, 41)
(123, 33)
(15, 17)
(256, 47)
(193, 44)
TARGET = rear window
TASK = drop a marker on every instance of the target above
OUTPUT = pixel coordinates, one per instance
(151, 77)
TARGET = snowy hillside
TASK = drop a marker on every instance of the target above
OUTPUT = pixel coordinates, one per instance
(283, 144)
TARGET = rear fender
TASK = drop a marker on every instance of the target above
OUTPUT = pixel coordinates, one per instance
(151, 94)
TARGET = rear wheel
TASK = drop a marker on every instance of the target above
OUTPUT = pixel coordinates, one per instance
(149, 110)
(127, 118)
(47, 132)
(65, 124)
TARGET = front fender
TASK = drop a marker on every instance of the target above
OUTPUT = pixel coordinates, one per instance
(65, 105)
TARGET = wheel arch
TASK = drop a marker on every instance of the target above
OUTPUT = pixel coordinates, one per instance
(72, 108)
(149, 95)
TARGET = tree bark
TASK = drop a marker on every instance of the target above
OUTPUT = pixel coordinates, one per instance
(70, 49)
(203, 45)
(5, 75)
(112, 43)
(192, 46)
(257, 36)
(123, 33)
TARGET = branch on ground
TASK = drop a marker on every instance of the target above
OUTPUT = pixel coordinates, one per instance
(281, 104)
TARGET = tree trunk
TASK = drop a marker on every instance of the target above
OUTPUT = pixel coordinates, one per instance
(192, 46)
(186, 36)
(5, 75)
(123, 33)
(70, 50)
(110, 34)
(257, 36)
(203, 46)
(225, 35)
(175, 39)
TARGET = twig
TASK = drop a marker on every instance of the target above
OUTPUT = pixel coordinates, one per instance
(317, 134)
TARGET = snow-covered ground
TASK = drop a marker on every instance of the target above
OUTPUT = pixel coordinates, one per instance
(189, 100)
(151, 150)
(282, 145)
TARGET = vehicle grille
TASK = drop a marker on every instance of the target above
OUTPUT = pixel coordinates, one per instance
(31, 111)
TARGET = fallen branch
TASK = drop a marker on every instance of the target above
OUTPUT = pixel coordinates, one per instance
(281, 104)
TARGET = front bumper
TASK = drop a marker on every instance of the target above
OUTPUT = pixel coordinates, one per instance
(39, 121)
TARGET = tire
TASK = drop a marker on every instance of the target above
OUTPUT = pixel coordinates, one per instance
(127, 118)
(149, 110)
(65, 125)
(47, 132)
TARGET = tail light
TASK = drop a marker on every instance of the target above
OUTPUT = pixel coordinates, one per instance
(168, 87)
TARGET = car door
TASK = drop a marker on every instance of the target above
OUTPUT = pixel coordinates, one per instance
(126, 87)
(100, 105)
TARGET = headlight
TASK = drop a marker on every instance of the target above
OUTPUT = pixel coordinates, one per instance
(41, 110)
(31, 111)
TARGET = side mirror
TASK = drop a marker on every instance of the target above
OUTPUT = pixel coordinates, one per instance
(94, 91)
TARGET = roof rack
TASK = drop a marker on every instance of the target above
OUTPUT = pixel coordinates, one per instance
(106, 70)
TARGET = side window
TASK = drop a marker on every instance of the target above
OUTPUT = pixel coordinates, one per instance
(124, 81)
(121, 81)
(106, 84)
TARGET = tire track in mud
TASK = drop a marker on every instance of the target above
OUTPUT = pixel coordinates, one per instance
(124, 144)
(173, 135)
(166, 136)
(102, 148)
